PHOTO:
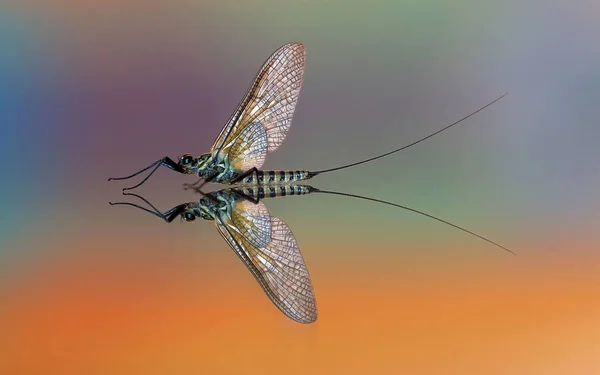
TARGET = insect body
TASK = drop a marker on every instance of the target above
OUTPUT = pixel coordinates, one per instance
(206, 168)
(257, 127)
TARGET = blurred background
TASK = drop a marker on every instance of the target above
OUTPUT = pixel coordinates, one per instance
(98, 89)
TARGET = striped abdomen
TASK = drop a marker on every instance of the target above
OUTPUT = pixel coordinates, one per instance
(272, 191)
(276, 177)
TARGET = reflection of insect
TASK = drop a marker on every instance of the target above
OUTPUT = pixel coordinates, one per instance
(265, 243)
(258, 126)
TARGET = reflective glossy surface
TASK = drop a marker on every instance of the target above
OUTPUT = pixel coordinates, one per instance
(86, 288)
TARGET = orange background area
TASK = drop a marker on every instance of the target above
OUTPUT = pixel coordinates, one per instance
(188, 314)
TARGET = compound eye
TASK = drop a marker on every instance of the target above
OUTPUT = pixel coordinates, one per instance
(188, 216)
(187, 159)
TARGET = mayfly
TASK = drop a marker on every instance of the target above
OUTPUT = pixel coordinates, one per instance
(258, 126)
(265, 243)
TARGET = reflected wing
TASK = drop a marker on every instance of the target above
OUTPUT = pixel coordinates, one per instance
(278, 267)
(252, 221)
(270, 101)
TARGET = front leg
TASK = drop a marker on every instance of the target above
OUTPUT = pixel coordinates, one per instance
(166, 161)
(246, 174)
(168, 216)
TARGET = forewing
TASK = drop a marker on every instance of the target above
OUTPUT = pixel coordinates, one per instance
(249, 149)
(278, 268)
(270, 100)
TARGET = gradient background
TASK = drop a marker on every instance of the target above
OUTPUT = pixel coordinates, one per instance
(93, 89)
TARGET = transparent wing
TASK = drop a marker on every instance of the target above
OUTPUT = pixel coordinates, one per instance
(252, 221)
(278, 267)
(270, 100)
(249, 149)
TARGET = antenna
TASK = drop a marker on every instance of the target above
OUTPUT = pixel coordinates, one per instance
(312, 174)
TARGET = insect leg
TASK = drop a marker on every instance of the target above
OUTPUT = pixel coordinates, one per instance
(246, 196)
(193, 186)
(197, 188)
(166, 161)
(208, 179)
(168, 216)
(246, 174)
